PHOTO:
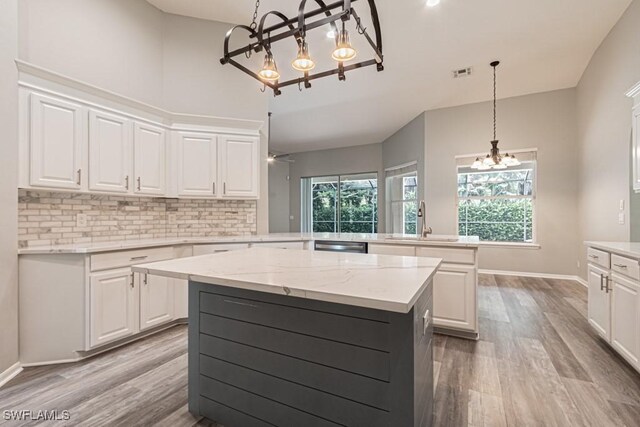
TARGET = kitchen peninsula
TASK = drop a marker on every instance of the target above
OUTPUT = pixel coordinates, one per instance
(295, 337)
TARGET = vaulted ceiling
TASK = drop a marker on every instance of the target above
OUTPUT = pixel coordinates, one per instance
(543, 45)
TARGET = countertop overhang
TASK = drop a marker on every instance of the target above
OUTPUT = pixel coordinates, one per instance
(388, 239)
(630, 249)
(389, 283)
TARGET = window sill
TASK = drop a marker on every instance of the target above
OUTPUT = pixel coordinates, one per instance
(509, 245)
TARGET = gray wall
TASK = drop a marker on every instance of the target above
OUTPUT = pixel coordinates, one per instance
(405, 146)
(546, 121)
(279, 197)
(339, 161)
(8, 185)
(604, 134)
(134, 49)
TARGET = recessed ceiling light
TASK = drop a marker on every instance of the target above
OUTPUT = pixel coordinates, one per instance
(432, 3)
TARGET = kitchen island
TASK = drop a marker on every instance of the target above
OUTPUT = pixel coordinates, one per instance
(294, 337)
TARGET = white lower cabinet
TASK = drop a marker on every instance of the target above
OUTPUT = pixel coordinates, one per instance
(614, 301)
(454, 297)
(599, 301)
(113, 306)
(156, 300)
(123, 303)
(399, 250)
(280, 245)
(625, 318)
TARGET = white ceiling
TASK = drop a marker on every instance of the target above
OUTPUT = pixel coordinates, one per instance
(543, 45)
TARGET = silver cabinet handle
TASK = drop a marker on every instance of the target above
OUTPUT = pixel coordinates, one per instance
(214, 187)
(139, 184)
(224, 188)
(601, 282)
(621, 265)
(138, 258)
(126, 182)
(607, 280)
(146, 279)
(594, 256)
(79, 181)
(132, 279)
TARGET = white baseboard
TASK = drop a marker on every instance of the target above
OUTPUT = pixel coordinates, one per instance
(540, 275)
(10, 373)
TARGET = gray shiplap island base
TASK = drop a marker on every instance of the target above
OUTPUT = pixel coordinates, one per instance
(264, 351)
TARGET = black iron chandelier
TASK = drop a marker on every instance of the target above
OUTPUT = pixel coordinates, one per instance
(494, 159)
(336, 15)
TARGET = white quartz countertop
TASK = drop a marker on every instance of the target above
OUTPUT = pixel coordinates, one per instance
(389, 283)
(390, 239)
(630, 249)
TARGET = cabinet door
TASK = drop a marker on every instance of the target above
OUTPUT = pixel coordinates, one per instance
(57, 135)
(392, 250)
(239, 166)
(454, 297)
(181, 299)
(217, 248)
(109, 152)
(156, 300)
(197, 164)
(113, 306)
(625, 318)
(599, 301)
(149, 151)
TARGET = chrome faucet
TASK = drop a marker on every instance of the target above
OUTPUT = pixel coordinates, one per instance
(422, 213)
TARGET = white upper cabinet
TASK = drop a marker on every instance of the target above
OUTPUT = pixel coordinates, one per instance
(92, 141)
(636, 149)
(109, 152)
(197, 164)
(239, 166)
(57, 134)
(149, 154)
(634, 93)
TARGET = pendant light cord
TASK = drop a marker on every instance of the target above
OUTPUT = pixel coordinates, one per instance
(254, 22)
(494, 103)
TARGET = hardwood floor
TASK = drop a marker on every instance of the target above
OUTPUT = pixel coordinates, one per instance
(537, 363)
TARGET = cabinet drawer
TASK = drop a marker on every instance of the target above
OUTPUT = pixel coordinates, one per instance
(212, 249)
(456, 256)
(121, 259)
(599, 257)
(280, 245)
(392, 250)
(627, 266)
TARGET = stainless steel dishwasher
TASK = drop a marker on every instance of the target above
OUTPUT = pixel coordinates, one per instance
(334, 246)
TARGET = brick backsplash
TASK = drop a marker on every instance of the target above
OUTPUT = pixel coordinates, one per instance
(49, 218)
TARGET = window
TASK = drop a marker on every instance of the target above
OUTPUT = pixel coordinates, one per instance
(340, 204)
(402, 199)
(498, 205)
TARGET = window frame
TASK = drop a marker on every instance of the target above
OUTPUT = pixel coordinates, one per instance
(338, 213)
(402, 202)
(465, 161)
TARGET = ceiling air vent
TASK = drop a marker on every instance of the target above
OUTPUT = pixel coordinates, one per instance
(462, 72)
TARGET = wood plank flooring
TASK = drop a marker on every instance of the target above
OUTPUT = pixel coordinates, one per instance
(537, 363)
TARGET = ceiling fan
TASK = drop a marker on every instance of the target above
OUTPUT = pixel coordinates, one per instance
(280, 158)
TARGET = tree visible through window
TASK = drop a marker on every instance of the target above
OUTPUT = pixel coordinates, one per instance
(497, 205)
(344, 204)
